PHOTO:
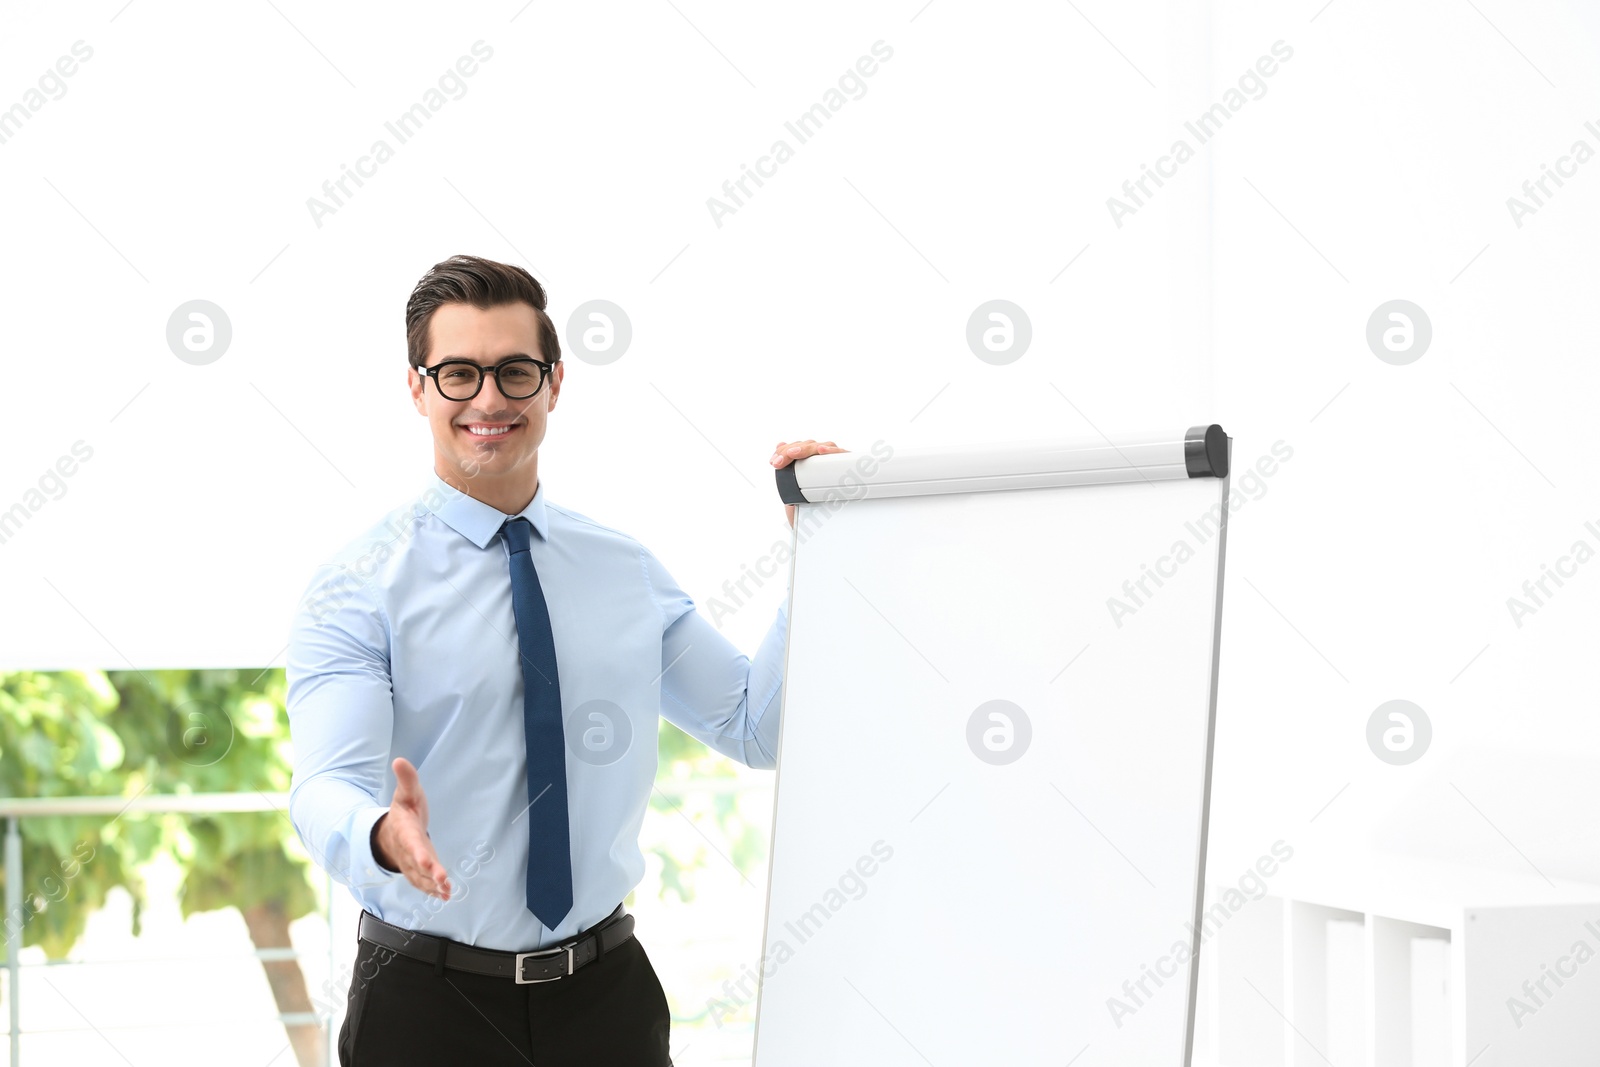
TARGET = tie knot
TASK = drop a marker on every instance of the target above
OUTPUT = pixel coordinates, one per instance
(516, 531)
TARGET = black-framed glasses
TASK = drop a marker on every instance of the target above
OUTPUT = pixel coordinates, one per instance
(519, 377)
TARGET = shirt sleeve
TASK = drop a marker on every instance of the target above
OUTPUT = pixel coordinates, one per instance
(711, 690)
(341, 723)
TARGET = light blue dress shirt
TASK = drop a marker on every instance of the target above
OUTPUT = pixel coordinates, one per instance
(405, 644)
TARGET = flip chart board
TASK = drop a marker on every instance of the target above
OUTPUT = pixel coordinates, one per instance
(994, 765)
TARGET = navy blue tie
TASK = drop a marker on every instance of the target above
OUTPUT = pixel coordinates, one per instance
(549, 844)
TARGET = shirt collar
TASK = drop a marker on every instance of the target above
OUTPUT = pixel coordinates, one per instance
(472, 518)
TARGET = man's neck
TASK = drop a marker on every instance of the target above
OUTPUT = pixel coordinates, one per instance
(509, 498)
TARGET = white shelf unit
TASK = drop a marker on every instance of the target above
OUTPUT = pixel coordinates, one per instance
(1389, 961)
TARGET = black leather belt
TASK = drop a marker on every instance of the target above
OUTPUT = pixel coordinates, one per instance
(542, 965)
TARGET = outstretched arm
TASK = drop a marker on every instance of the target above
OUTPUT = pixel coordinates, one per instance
(341, 721)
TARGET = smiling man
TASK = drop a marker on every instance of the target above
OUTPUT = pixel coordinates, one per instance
(474, 692)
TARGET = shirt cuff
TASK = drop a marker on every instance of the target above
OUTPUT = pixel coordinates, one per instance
(361, 827)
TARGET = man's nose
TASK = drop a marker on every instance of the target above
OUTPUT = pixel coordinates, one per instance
(490, 394)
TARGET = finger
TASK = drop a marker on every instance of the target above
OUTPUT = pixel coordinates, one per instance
(429, 886)
(433, 885)
(436, 870)
(408, 791)
(405, 775)
(788, 451)
(417, 874)
(431, 877)
(441, 880)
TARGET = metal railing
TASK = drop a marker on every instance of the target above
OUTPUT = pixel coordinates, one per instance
(14, 810)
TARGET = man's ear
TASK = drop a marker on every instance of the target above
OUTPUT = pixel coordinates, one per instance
(555, 383)
(416, 383)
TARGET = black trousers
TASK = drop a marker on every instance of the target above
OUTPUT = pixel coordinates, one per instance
(402, 1011)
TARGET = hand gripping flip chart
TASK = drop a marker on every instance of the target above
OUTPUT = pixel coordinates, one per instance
(994, 767)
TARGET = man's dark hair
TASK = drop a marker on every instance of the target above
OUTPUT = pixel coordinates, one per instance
(484, 284)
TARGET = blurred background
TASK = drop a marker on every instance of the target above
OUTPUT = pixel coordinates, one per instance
(1358, 235)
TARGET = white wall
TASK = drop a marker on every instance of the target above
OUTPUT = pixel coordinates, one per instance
(1379, 561)
(1374, 564)
(833, 304)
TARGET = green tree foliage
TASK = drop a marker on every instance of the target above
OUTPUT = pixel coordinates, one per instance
(56, 740)
(133, 733)
(218, 731)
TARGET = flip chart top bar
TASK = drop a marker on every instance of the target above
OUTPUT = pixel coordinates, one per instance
(1199, 452)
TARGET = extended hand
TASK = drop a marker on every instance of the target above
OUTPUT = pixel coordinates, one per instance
(787, 451)
(403, 835)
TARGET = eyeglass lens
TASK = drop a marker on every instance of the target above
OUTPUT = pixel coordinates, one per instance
(518, 379)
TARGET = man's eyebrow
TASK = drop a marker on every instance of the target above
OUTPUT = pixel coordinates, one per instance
(502, 359)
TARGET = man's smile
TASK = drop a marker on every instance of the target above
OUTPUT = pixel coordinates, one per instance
(490, 429)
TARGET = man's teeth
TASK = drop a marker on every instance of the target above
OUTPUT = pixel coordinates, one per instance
(488, 431)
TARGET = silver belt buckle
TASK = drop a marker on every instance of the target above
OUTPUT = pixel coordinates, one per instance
(542, 952)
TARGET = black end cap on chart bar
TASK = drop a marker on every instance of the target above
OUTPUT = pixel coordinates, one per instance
(789, 485)
(1205, 452)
